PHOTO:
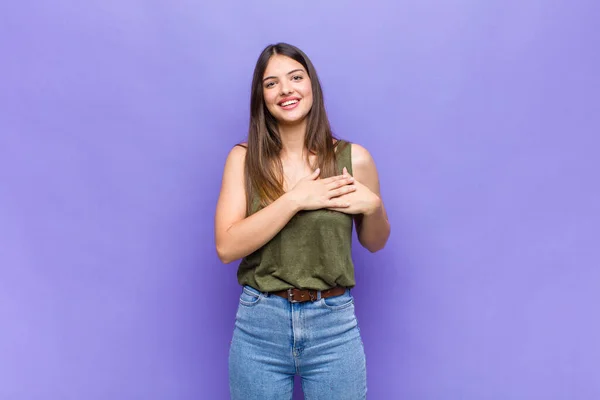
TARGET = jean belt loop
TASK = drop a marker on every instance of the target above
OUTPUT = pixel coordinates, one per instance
(318, 295)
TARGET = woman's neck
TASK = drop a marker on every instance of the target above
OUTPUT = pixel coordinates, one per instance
(292, 139)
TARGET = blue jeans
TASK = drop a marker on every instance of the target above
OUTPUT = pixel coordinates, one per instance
(274, 340)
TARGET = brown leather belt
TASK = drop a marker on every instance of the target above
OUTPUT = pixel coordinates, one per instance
(299, 295)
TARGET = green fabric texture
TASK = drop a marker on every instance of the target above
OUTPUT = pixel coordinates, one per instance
(313, 251)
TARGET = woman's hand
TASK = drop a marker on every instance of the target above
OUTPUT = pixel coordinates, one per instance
(311, 193)
(361, 201)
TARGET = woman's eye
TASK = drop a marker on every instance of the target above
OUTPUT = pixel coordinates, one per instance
(270, 85)
(297, 78)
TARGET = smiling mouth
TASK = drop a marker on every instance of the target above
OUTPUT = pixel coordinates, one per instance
(289, 104)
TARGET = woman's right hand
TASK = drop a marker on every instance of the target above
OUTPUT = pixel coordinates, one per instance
(311, 193)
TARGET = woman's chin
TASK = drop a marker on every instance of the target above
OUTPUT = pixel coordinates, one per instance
(291, 121)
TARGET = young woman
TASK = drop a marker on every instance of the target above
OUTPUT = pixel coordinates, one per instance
(288, 200)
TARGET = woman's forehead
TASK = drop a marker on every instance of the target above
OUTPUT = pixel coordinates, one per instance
(281, 65)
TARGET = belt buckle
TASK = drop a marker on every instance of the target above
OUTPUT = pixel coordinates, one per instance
(291, 296)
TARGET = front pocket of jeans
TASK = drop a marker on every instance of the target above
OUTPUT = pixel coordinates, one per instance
(338, 302)
(249, 298)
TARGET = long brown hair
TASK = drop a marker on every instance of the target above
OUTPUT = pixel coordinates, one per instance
(263, 169)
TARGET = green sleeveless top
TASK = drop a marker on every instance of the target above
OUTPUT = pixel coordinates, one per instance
(313, 250)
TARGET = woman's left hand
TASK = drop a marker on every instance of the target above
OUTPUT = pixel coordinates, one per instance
(362, 200)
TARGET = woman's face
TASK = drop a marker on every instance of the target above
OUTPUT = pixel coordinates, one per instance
(287, 90)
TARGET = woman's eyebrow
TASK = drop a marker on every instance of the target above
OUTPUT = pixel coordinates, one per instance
(291, 72)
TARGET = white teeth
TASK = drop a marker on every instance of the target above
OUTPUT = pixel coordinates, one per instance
(288, 103)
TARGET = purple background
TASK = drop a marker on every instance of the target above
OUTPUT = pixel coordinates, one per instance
(483, 118)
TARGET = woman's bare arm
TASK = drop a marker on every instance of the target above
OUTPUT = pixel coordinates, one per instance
(235, 235)
(373, 228)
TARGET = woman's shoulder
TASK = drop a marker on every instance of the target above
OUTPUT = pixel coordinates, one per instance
(357, 150)
(239, 150)
(363, 167)
(360, 155)
(236, 157)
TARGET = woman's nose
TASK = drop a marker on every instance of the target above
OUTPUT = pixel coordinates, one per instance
(286, 88)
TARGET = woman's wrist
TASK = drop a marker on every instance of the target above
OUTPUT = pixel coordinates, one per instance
(291, 202)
